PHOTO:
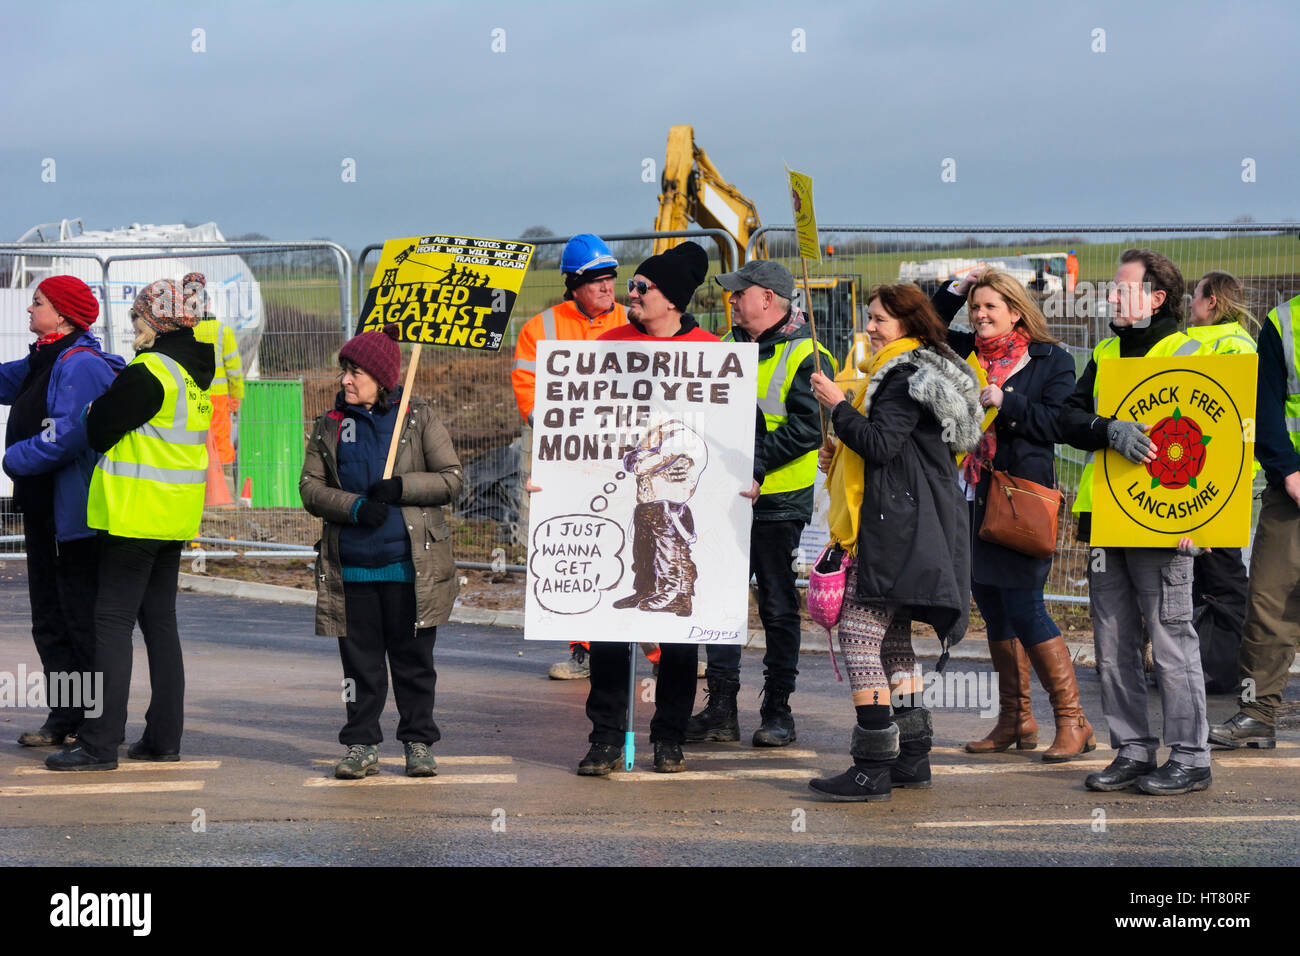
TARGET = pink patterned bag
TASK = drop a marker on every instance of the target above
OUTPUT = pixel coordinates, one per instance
(826, 585)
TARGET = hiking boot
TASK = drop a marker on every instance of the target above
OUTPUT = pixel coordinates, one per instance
(668, 758)
(361, 760)
(1122, 773)
(577, 667)
(718, 721)
(777, 728)
(868, 780)
(45, 737)
(1175, 778)
(601, 760)
(1241, 730)
(419, 761)
(75, 757)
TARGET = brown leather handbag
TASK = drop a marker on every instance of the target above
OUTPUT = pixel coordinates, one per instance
(1021, 515)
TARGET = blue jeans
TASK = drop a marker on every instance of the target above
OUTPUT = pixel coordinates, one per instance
(1015, 612)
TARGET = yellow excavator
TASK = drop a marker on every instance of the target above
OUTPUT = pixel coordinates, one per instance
(695, 192)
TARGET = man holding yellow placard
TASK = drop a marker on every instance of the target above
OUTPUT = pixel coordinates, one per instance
(1131, 586)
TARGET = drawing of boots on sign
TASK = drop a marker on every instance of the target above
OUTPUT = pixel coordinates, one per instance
(667, 464)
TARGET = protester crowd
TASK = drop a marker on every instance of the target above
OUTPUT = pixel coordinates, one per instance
(922, 448)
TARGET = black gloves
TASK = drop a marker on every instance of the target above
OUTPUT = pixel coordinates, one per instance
(389, 491)
(371, 514)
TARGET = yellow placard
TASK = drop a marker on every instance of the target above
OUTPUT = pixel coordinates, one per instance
(805, 220)
(446, 290)
(1201, 413)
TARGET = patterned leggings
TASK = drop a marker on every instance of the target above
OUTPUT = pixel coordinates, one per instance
(876, 644)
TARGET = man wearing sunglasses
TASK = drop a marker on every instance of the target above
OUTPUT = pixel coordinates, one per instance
(587, 312)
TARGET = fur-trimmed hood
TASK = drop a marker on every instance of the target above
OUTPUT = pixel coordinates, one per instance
(945, 386)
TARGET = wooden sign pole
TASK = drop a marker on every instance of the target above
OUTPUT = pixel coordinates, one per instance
(401, 411)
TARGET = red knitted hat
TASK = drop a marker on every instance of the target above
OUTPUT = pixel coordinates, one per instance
(377, 354)
(72, 299)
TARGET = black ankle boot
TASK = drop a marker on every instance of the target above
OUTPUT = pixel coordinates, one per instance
(873, 752)
(915, 735)
(718, 720)
(777, 729)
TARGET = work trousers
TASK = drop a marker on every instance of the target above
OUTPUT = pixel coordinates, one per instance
(1272, 629)
(674, 692)
(381, 621)
(1128, 586)
(772, 557)
(137, 581)
(62, 578)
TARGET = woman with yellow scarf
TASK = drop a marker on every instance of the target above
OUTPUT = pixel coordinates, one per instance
(897, 509)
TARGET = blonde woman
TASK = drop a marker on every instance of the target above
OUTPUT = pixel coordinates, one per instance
(1028, 379)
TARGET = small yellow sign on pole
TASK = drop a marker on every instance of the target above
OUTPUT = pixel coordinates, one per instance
(805, 220)
(1201, 416)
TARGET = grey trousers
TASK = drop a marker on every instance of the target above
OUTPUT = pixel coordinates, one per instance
(1272, 631)
(1129, 586)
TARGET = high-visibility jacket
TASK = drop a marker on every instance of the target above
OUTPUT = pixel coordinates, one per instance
(776, 374)
(1224, 338)
(562, 321)
(1286, 319)
(1175, 344)
(150, 484)
(229, 377)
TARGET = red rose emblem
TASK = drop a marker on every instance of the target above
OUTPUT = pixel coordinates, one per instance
(1180, 451)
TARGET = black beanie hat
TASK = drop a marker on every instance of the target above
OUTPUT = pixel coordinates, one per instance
(677, 272)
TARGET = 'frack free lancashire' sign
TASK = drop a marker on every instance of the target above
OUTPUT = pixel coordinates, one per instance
(1201, 416)
(446, 290)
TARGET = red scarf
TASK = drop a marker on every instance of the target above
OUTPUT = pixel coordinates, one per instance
(999, 357)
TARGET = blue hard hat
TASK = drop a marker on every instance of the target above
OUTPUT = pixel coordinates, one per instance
(1071, 252)
(585, 252)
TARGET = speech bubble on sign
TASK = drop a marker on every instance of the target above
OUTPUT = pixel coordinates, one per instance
(573, 559)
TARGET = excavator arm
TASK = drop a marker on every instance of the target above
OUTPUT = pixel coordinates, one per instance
(694, 191)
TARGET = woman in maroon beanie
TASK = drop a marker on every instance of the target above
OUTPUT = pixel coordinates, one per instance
(50, 462)
(385, 578)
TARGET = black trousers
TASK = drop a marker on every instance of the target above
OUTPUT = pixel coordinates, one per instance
(674, 692)
(772, 557)
(62, 579)
(381, 621)
(137, 581)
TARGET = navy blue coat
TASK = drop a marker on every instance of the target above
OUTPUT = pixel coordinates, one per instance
(77, 379)
(1027, 434)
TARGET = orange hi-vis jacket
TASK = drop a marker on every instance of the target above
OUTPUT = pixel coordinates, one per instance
(564, 321)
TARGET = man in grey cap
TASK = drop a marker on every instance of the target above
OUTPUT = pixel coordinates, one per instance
(761, 311)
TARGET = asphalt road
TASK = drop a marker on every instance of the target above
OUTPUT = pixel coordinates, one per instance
(263, 710)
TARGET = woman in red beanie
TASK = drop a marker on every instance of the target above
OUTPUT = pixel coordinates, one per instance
(50, 462)
(385, 578)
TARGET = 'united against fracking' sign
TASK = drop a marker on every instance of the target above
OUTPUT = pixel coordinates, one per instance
(446, 290)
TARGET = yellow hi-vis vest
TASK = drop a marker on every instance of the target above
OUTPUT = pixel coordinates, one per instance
(1175, 343)
(1286, 319)
(775, 376)
(1224, 338)
(229, 377)
(151, 483)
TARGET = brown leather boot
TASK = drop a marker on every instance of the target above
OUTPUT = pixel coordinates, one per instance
(1015, 719)
(1055, 671)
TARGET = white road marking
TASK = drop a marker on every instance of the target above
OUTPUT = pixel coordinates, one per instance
(773, 754)
(1110, 821)
(77, 789)
(442, 761)
(764, 773)
(1254, 762)
(383, 780)
(129, 766)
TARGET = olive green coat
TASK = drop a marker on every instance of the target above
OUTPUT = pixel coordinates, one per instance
(431, 477)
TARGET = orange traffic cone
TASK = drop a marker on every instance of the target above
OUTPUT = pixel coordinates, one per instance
(246, 496)
(216, 494)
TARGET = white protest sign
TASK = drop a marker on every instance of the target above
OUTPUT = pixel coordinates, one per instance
(640, 532)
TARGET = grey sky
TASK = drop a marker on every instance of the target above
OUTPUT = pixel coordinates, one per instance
(449, 136)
